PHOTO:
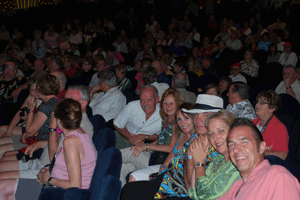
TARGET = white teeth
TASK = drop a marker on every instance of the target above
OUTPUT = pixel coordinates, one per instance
(240, 158)
(219, 144)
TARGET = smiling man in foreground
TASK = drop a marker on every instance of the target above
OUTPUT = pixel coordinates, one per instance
(259, 180)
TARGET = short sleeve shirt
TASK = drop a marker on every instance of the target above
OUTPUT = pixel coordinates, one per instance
(47, 109)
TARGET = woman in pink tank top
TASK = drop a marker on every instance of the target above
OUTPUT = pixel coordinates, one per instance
(76, 159)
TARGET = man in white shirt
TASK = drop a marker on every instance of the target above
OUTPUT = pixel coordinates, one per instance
(75, 37)
(138, 121)
(290, 84)
(236, 76)
(110, 101)
(288, 57)
(234, 43)
(239, 105)
(120, 46)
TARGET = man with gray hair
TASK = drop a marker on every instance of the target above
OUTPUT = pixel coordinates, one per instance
(290, 84)
(56, 64)
(106, 99)
(179, 81)
(239, 105)
(138, 121)
(62, 83)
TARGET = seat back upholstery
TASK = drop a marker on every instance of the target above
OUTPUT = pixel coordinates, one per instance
(109, 163)
(110, 188)
(98, 123)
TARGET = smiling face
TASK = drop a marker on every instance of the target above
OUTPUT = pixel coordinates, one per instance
(217, 134)
(169, 105)
(185, 122)
(199, 122)
(148, 101)
(244, 151)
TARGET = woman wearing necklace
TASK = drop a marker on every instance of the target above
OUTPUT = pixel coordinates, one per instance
(215, 180)
(273, 130)
(161, 148)
(168, 183)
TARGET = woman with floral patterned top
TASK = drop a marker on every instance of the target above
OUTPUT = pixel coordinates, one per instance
(169, 181)
(221, 174)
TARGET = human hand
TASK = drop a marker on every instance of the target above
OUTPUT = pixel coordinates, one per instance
(205, 143)
(31, 148)
(43, 176)
(95, 89)
(197, 151)
(23, 138)
(138, 148)
(15, 93)
(287, 81)
(31, 103)
(134, 139)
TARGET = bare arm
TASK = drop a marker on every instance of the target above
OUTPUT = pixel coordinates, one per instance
(291, 92)
(72, 146)
(164, 148)
(53, 143)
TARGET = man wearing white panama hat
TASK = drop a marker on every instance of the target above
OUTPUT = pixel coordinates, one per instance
(205, 105)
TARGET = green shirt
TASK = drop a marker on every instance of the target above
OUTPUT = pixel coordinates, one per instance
(220, 176)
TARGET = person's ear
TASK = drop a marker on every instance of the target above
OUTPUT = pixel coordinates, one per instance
(83, 104)
(262, 147)
(157, 100)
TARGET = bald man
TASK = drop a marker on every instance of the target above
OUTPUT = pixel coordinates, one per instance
(139, 120)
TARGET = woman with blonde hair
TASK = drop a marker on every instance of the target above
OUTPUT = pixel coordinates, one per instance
(194, 66)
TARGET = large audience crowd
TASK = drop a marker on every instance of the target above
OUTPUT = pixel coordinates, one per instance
(199, 111)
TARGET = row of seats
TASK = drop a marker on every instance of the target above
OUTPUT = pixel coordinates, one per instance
(105, 183)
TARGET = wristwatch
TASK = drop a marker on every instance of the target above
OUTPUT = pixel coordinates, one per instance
(199, 164)
(52, 130)
(49, 181)
(188, 157)
(289, 87)
(147, 148)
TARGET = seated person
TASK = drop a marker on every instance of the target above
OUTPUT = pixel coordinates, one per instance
(249, 66)
(26, 173)
(260, 180)
(224, 83)
(139, 120)
(290, 84)
(100, 66)
(9, 81)
(36, 125)
(214, 181)
(86, 71)
(15, 127)
(123, 82)
(76, 159)
(179, 82)
(235, 71)
(272, 129)
(239, 105)
(177, 49)
(149, 77)
(106, 99)
(169, 180)
(212, 89)
(137, 157)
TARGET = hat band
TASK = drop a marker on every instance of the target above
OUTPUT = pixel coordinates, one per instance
(205, 107)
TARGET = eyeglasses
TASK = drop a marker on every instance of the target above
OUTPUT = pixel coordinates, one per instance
(261, 102)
